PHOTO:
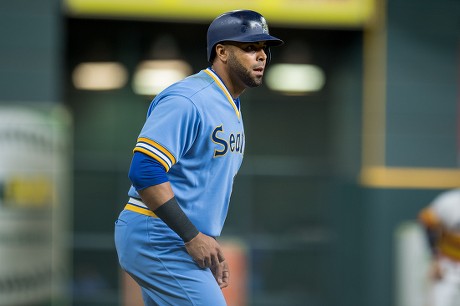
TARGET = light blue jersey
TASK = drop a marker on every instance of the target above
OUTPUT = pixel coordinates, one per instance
(195, 130)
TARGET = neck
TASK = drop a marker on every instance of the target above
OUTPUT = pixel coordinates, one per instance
(231, 85)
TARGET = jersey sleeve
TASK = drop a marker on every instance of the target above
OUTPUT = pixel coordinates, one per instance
(170, 129)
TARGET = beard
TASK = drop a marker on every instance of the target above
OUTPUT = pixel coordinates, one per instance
(242, 73)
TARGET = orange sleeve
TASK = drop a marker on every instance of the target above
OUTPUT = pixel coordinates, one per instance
(428, 218)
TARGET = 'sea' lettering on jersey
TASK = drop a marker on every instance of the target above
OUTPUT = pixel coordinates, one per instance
(235, 142)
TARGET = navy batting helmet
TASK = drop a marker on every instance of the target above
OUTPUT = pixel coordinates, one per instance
(239, 26)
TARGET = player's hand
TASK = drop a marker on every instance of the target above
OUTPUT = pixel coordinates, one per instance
(436, 271)
(221, 274)
(205, 251)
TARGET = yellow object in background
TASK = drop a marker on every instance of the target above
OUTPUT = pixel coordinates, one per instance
(341, 13)
(35, 191)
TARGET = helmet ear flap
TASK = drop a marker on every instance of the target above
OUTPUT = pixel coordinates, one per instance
(212, 54)
(269, 55)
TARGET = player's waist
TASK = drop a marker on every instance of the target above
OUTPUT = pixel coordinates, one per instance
(138, 206)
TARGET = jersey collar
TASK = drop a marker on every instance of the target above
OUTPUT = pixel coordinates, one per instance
(224, 89)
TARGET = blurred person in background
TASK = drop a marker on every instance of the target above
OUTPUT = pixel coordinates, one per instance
(185, 160)
(441, 219)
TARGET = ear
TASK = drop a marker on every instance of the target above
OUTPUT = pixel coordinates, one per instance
(222, 52)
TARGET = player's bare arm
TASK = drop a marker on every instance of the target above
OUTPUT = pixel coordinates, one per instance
(155, 196)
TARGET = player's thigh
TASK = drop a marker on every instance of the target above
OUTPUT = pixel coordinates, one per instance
(194, 289)
(157, 259)
(173, 275)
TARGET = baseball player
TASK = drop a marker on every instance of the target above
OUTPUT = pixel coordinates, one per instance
(442, 222)
(184, 163)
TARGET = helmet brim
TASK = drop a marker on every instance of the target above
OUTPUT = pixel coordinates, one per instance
(270, 41)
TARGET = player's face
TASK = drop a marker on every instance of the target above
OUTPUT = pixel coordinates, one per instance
(247, 62)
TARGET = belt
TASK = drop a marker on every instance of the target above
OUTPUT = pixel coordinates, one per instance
(138, 206)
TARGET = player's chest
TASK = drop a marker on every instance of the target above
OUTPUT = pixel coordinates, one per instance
(223, 134)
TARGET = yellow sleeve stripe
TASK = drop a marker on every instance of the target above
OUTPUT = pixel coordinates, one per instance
(154, 156)
(156, 151)
(449, 248)
(158, 147)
